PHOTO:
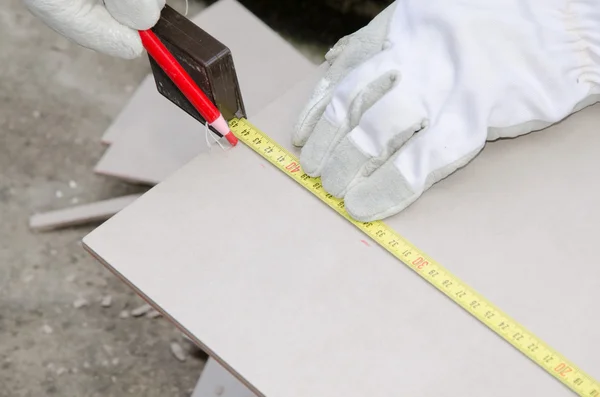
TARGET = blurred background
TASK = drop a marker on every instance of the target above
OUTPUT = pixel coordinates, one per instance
(67, 326)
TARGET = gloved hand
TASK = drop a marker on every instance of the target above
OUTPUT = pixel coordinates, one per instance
(415, 95)
(109, 28)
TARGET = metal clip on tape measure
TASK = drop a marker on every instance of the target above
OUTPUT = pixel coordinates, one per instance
(479, 307)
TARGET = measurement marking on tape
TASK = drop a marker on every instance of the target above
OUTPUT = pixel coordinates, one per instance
(479, 307)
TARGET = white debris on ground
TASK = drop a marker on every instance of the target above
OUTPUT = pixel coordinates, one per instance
(178, 352)
(79, 303)
(106, 301)
(153, 314)
(141, 310)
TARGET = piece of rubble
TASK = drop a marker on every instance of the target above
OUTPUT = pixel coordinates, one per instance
(108, 349)
(140, 311)
(47, 329)
(124, 314)
(153, 314)
(177, 351)
(61, 371)
(79, 303)
(106, 301)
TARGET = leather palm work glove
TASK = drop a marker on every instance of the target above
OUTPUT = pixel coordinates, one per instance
(415, 95)
(109, 27)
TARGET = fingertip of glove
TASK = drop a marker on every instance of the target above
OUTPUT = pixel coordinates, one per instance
(149, 20)
(126, 47)
(130, 54)
(308, 165)
(318, 146)
(385, 193)
(343, 168)
(138, 15)
(301, 132)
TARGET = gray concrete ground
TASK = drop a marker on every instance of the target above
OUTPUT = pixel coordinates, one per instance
(56, 99)
(56, 339)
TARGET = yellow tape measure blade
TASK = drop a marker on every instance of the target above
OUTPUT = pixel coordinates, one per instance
(427, 268)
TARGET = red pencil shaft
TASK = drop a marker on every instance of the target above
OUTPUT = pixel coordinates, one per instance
(179, 76)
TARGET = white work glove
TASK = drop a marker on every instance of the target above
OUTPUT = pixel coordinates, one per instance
(415, 95)
(109, 26)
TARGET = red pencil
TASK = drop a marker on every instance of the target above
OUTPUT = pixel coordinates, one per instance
(186, 85)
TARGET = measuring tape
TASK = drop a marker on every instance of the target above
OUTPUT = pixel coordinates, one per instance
(515, 334)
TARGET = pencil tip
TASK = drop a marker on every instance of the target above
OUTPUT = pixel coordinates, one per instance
(232, 139)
